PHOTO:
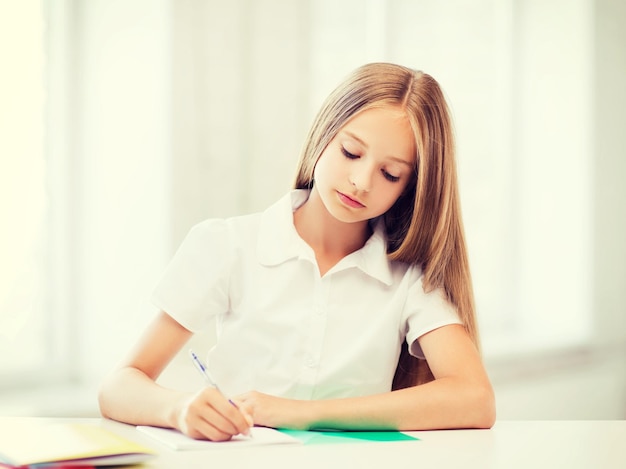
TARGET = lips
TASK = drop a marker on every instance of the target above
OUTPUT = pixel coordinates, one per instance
(349, 201)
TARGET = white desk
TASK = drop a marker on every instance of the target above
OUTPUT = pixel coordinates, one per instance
(508, 445)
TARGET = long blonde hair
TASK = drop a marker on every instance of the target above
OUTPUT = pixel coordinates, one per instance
(424, 226)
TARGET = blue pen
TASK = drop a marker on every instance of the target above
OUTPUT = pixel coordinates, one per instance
(209, 379)
(204, 372)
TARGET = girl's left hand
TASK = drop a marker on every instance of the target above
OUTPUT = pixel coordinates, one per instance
(274, 412)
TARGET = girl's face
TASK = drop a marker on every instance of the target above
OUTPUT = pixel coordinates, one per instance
(368, 164)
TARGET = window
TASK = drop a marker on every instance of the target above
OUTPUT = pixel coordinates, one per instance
(23, 195)
(517, 77)
(93, 215)
(36, 332)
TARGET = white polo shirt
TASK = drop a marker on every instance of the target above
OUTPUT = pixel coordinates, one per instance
(283, 329)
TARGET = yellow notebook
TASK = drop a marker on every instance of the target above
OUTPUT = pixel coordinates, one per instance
(27, 441)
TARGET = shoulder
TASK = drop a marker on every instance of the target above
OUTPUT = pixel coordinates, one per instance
(213, 229)
(434, 297)
(246, 229)
(419, 297)
(404, 275)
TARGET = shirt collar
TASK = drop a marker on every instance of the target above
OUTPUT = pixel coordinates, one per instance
(279, 241)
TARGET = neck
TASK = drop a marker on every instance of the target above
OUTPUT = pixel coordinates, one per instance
(329, 238)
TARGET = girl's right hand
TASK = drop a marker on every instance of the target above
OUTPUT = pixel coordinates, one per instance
(208, 415)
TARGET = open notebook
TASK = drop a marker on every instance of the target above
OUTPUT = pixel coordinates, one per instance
(30, 441)
(178, 441)
(269, 436)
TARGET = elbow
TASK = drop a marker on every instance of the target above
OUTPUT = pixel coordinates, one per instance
(104, 399)
(102, 402)
(483, 407)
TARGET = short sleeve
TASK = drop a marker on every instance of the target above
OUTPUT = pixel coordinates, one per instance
(425, 312)
(194, 286)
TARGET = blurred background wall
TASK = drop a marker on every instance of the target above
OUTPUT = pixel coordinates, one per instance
(125, 122)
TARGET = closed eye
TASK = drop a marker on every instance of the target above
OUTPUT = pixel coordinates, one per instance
(349, 155)
(390, 177)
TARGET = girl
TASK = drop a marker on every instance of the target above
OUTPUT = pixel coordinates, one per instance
(347, 304)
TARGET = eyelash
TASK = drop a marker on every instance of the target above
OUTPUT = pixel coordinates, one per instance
(349, 155)
(386, 175)
(390, 177)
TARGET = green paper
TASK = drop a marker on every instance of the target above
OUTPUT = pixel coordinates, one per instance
(333, 437)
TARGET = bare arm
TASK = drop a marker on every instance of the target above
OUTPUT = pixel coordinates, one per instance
(460, 396)
(130, 394)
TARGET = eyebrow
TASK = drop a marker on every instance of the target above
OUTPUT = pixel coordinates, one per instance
(391, 157)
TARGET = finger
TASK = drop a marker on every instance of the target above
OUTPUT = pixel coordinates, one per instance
(224, 414)
(248, 417)
(237, 416)
(241, 405)
(204, 422)
(207, 430)
(200, 420)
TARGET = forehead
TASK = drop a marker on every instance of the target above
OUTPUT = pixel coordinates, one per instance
(385, 130)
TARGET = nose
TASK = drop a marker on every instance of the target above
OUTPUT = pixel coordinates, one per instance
(361, 178)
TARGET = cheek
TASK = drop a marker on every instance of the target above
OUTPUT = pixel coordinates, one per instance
(321, 171)
(393, 196)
